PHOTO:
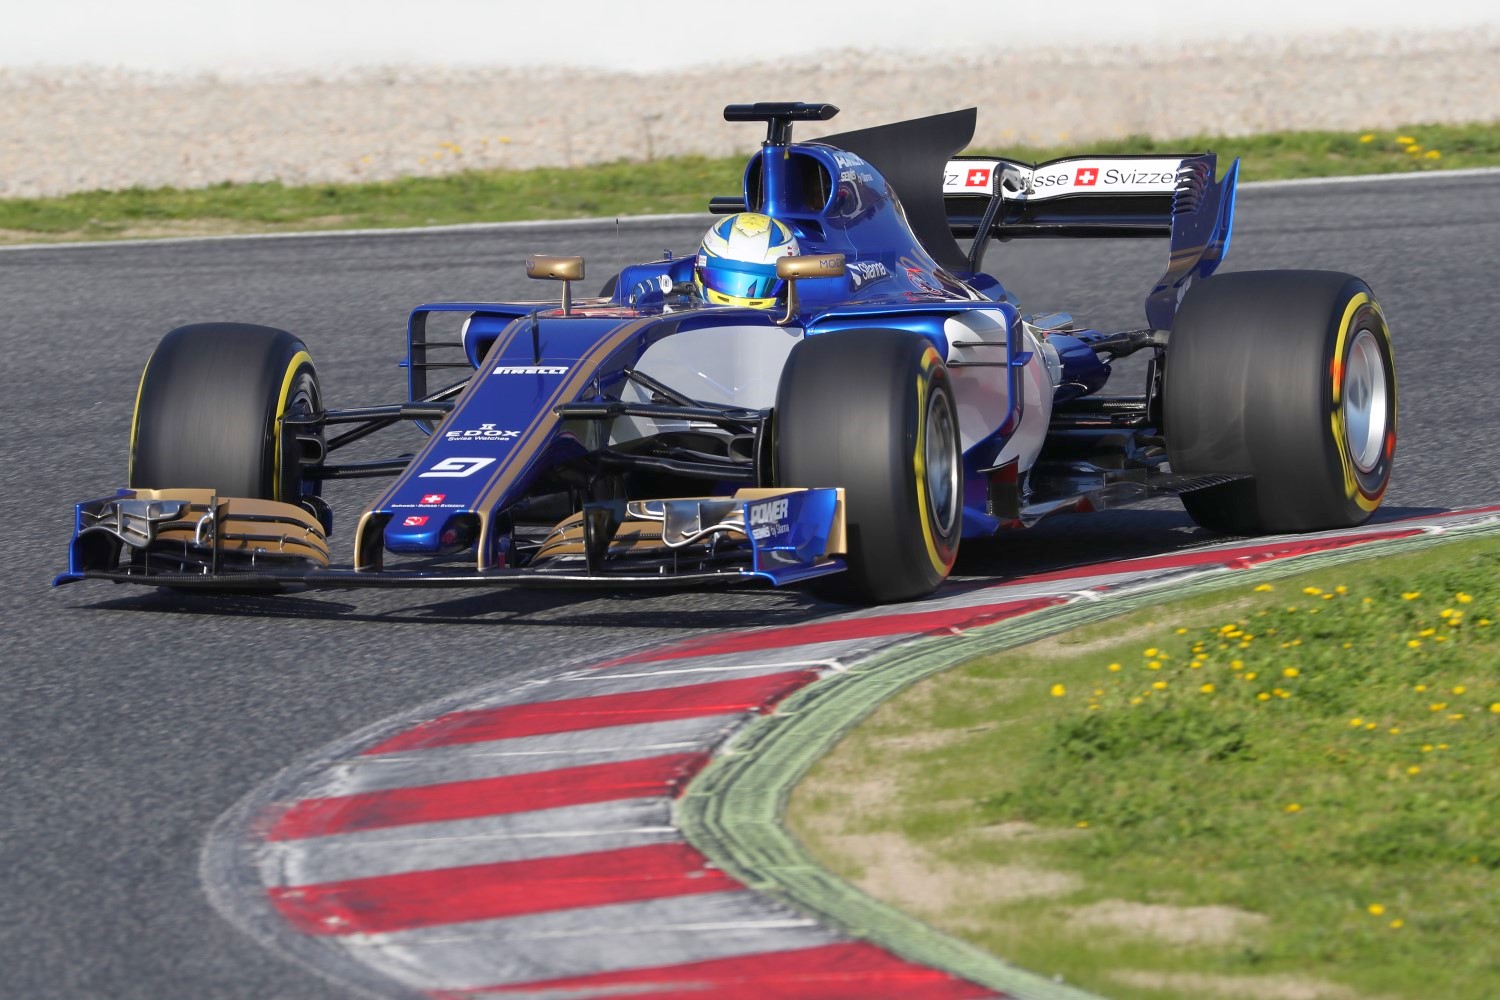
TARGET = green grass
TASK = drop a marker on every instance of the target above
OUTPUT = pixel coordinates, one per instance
(628, 188)
(1319, 755)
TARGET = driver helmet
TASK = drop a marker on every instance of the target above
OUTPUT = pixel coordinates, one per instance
(736, 263)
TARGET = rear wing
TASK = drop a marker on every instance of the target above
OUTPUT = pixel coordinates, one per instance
(1101, 196)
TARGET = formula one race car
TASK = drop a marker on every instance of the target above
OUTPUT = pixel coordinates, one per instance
(846, 410)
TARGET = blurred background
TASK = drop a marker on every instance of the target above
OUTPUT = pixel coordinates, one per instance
(102, 95)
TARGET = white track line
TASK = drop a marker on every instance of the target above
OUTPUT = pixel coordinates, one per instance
(647, 220)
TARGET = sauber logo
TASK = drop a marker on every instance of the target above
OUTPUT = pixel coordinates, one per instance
(415, 521)
(977, 178)
(1086, 177)
(531, 370)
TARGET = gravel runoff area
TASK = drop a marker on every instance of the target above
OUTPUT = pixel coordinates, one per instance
(87, 129)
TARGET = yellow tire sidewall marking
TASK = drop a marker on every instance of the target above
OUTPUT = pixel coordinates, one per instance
(919, 463)
(298, 360)
(1352, 488)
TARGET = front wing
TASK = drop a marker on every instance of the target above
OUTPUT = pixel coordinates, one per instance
(196, 540)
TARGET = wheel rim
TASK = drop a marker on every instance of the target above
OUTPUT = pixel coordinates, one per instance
(940, 453)
(1364, 401)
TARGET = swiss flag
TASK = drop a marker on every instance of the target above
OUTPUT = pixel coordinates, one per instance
(978, 177)
(415, 521)
(1086, 177)
(434, 497)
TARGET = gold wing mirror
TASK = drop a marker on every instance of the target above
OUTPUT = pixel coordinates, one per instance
(564, 269)
(793, 269)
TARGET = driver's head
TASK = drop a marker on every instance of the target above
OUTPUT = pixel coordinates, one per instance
(736, 263)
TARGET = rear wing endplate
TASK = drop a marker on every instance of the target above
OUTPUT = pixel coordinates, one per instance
(1100, 196)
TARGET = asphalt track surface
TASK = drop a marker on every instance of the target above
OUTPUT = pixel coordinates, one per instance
(130, 719)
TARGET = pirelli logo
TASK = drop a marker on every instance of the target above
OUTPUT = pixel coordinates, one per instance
(531, 370)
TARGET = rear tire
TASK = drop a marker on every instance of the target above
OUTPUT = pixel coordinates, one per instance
(208, 413)
(873, 411)
(1289, 377)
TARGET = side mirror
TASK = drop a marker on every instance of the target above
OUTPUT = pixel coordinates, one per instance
(564, 269)
(790, 269)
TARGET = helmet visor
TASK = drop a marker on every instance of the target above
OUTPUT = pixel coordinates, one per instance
(740, 280)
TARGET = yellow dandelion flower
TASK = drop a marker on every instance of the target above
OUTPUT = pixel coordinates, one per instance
(1414, 149)
(1442, 746)
(1411, 595)
(1456, 716)
(1296, 642)
(1250, 676)
(1427, 632)
(1327, 597)
(1082, 824)
(1414, 769)
(1262, 697)
(1432, 154)
(1427, 748)
(1495, 707)
(1058, 690)
(1375, 909)
(1394, 730)
(1446, 613)
(1370, 725)
(1367, 600)
(1264, 588)
(1135, 701)
(1292, 807)
(1437, 706)
(1313, 591)
(1459, 689)
(1207, 689)
(1151, 653)
(1291, 672)
(1341, 589)
(1356, 722)
(1419, 687)
(1463, 598)
(1348, 645)
(1368, 137)
(1414, 643)
(1397, 924)
(1154, 665)
(1114, 668)
(1484, 622)
(1278, 692)
(1236, 664)
(1182, 631)
(1159, 685)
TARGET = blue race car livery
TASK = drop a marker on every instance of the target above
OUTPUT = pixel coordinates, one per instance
(879, 399)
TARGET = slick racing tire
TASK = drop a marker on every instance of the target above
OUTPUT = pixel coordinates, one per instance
(873, 411)
(1287, 376)
(209, 412)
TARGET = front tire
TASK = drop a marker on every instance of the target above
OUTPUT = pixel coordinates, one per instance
(209, 412)
(872, 411)
(1287, 376)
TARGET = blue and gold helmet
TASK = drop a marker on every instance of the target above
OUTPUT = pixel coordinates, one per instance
(736, 263)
